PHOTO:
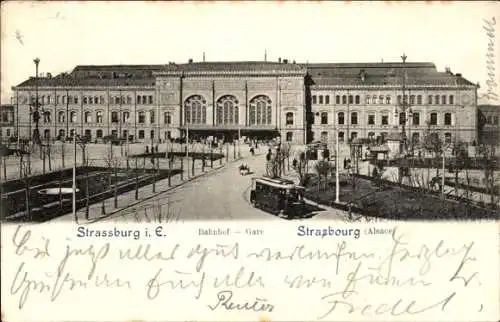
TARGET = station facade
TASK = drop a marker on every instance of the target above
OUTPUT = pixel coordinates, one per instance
(297, 103)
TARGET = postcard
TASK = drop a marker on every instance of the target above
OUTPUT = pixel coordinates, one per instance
(249, 161)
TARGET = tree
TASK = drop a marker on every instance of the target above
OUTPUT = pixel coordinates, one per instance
(112, 163)
(432, 143)
(462, 162)
(322, 169)
(486, 155)
(82, 142)
(302, 168)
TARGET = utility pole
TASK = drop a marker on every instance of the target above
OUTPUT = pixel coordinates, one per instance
(36, 113)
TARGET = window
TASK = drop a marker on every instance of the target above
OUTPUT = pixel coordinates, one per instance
(168, 135)
(443, 99)
(324, 137)
(447, 137)
(495, 120)
(96, 99)
(152, 134)
(312, 118)
(144, 99)
(367, 99)
(374, 99)
(351, 99)
(381, 99)
(412, 99)
(340, 118)
(436, 99)
(344, 99)
(451, 100)
(98, 117)
(141, 134)
(61, 134)
(61, 117)
(88, 117)
(321, 99)
(341, 137)
(195, 110)
(429, 99)
(415, 138)
(327, 99)
(434, 119)
(260, 110)
(88, 134)
(8, 132)
(98, 134)
(419, 99)
(371, 135)
(152, 117)
(46, 134)
(150, 97)
(57, 99)
(70, 99)
(383, 135)
(91, 100)
(314, 99)
(489, 120)
(138, 99)
(385, 119)
(289, 136)
(125, 116)
(85, 100)
(371, 119)
(447, 118)
(416, 118)
(167, 118)
(400, 100)
(101, 99)
(125, 134)
(324, 118)
(227, 110)
(47, 117)
(405, 99)
(142, 118)
(337, 99)
(357, 99)
(72, 117)
(289, 118)
(43, 99)
(129, 100)
(114, 117)
(48, 99)
(75, 99)
(354, 118)
(117, 100)
(402, 118)
(354, 135)
(387, 99)
(114, 133)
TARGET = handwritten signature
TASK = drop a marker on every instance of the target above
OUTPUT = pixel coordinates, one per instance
(489, 27)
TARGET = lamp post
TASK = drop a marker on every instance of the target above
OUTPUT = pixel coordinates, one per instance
(74, 176)
(36, 115)
(337, 183)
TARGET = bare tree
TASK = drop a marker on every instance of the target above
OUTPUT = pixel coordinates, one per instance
(302, 168)
(486, 154)
(432, 143)
(112, 162)
(322, 169)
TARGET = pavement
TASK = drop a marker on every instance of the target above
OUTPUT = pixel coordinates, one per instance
(218, 194)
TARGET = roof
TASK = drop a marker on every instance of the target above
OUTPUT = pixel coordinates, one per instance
(382, 74)
(321, 74)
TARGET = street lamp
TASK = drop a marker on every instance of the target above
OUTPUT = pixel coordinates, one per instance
(36, 115)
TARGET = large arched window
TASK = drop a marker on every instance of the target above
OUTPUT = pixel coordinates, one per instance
(98, 117)
(195, 110)
(340, 118)
(88, 117)
(61, 117)
(227, 110)
(260, 110)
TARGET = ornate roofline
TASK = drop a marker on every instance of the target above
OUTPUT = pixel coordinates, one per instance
(262, 73)
(324, 87)
(84, 87)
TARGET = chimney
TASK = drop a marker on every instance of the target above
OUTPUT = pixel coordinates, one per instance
(362, 75)
(294, 62)
(447, 70)
(279, 60)
(285, 61)
(49, 75)
(459, 75)
(190, 61)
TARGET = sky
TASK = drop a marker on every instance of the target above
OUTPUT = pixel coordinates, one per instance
(66, 34)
